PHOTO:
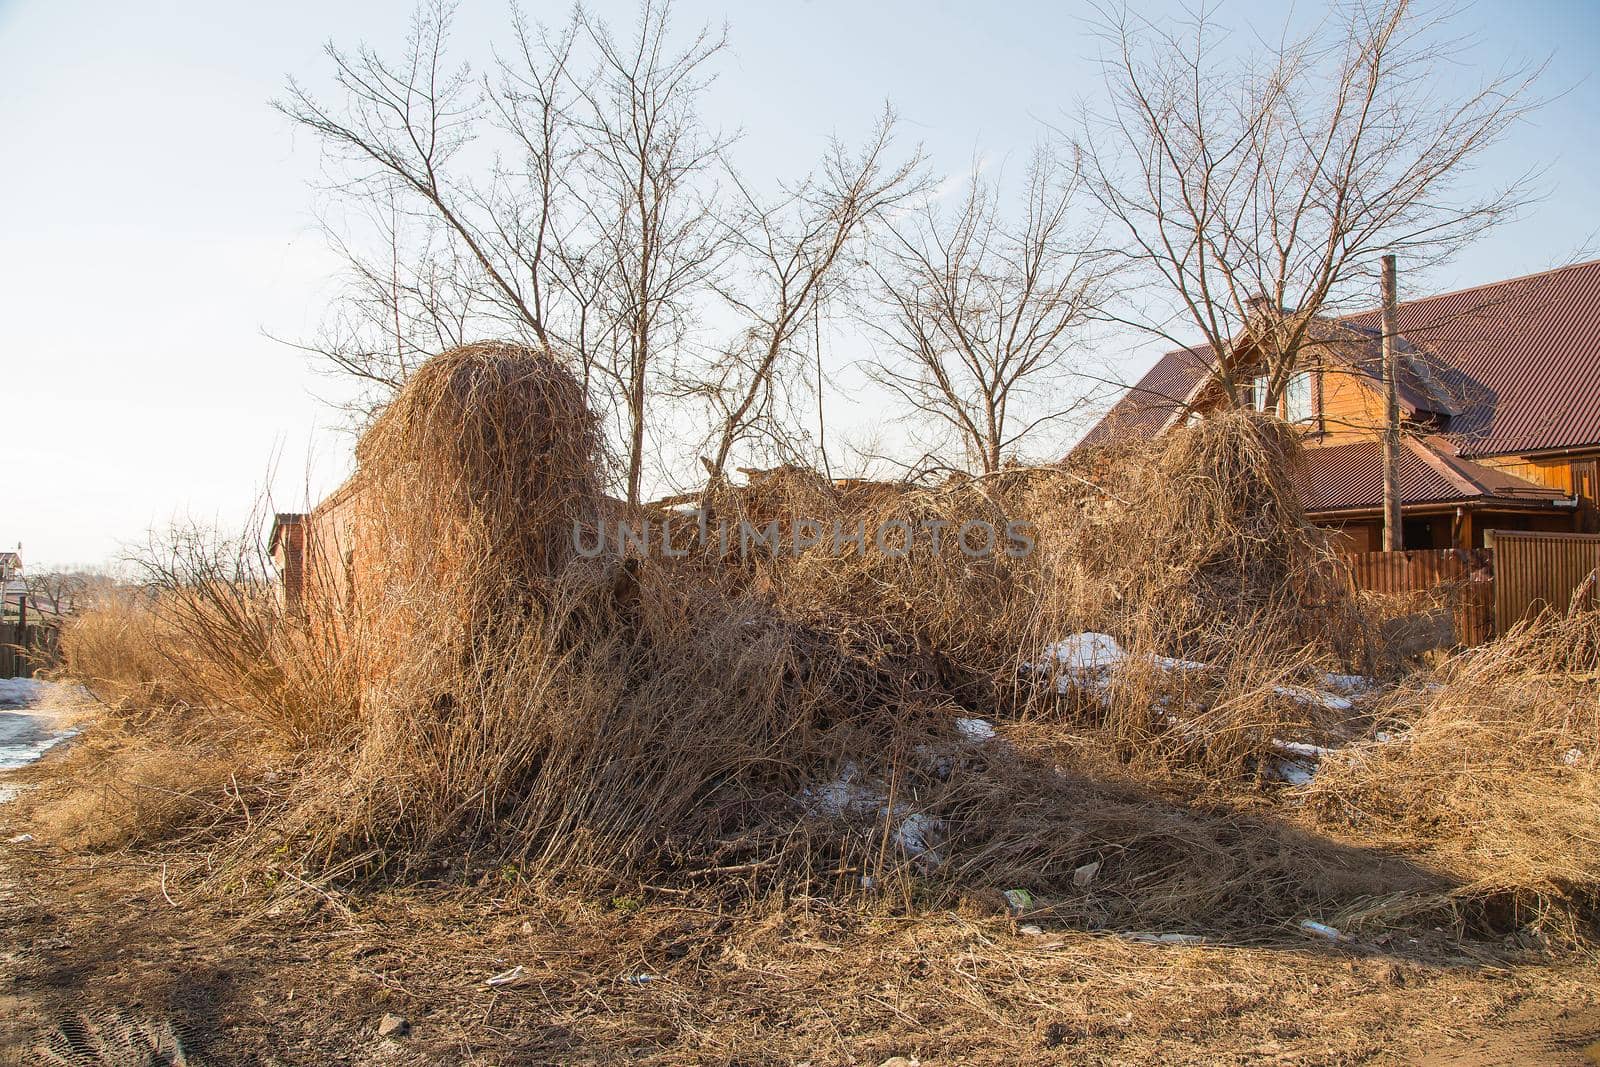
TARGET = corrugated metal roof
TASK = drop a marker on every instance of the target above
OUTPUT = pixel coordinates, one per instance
(1523, 358)
(1514, 364)
(1145, 408)
(1349, 477)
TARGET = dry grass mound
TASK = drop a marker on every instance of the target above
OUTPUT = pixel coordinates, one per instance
(821, 719)
(519, 698)
(1492, 776)
(1191, 552)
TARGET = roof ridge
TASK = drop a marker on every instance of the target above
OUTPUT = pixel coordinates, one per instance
(1343, 320)
(1473, 288)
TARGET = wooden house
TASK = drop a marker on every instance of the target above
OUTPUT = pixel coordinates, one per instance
(1499, 390)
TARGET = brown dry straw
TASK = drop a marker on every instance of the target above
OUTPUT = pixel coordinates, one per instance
(492, 695)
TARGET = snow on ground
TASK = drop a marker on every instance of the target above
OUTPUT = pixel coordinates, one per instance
(1085, 652)
(32, 719)
(1305, 695)
(1088, 661)
(975, 730)
(848, 794)
(20, 692)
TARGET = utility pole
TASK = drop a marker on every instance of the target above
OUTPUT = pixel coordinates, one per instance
(1393, 538)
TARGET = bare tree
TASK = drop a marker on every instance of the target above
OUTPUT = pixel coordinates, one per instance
(794, 255)
(401, 131)
(557, 202)
(55, 593)
(658, 234)
(1256, 190)
(983, 311)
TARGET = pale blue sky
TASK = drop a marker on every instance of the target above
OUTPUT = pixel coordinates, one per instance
(156, 219)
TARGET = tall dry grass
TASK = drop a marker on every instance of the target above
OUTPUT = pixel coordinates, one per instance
(1492, 774)
(484, 692)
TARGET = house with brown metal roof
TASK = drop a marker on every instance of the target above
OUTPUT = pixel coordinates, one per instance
(1499, 389)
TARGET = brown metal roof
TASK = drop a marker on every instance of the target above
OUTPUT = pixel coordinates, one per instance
(1350, 477)
(1145, 408)
(1522, 358)
(1513, 367)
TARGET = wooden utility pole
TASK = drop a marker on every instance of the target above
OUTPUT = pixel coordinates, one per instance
(1393, 539)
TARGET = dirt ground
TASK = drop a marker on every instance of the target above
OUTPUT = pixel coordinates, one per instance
(113, 960)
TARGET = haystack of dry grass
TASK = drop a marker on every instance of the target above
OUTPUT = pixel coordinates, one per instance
(794, 721)
(1193, 547)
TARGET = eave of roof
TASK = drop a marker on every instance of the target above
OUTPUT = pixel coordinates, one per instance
(1349, 477)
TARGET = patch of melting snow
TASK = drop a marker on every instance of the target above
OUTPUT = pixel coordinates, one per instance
(20, 692)
(915, 835)
(847, 794)
(1304, 695)
(1086, 652)
(975, 730)
(1087, 661)
(1294, 772)
(1301, 761)
(1348, 684)
(1167, 663)
(1300, 748)
(842, 796)
(28, 729)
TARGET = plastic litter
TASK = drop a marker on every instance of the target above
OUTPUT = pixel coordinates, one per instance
(1311, 926)
(1164, 939)
(515, 974)
(1085, 874)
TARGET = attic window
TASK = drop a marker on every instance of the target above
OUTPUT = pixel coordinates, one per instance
(1297, 398)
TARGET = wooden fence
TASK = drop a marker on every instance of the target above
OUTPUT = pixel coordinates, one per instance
(1457, 582)
(24, 649)
(1538, 571)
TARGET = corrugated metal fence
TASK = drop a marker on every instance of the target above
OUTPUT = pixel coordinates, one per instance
(1536, 571)
(1458, 581)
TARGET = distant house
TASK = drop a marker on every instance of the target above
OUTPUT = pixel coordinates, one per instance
(13, 590)
(1499, 392)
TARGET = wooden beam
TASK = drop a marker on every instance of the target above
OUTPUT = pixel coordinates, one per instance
(1393, 537)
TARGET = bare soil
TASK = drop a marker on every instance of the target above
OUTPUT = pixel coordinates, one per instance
(108, 960)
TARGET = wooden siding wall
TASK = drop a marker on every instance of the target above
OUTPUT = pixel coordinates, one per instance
(1463, 578)
(1554, 473)
(1539, 571)
(1351, 409)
